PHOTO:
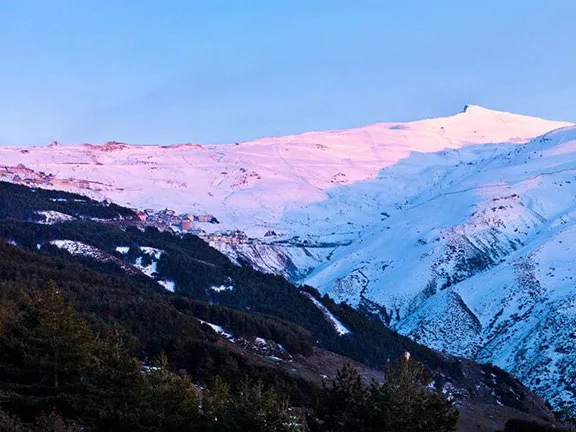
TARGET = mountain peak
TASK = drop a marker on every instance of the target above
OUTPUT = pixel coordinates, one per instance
(469, 108)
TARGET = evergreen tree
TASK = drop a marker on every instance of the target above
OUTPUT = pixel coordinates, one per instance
(54, 368)
(214, 404)
(7, 309)
(54, 423)
(45, 356)
(342, 406)
(9, 423)
(118, 384)
(255, 408)
(402, 403)
(252, 408)
(406, 402)
(169, 401)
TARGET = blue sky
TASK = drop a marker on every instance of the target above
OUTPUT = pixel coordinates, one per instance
(213, 71)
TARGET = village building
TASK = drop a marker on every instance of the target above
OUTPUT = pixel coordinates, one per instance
(187, 224)
(206, 218)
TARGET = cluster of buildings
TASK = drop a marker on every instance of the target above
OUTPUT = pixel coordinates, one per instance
(163, 219)
(188, 222)
(234, 237)
(168, 218)
(23, 175)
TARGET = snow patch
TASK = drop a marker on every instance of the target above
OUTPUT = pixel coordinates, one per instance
(77, 248)
(149, 270)
(52, 217)
(169, 285)
(338, 326)
(153, 252)
(218, 329)
(222, 288)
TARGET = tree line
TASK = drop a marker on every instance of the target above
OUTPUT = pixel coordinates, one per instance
(57, 374)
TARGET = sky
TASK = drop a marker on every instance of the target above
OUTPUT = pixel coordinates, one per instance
(215, 71)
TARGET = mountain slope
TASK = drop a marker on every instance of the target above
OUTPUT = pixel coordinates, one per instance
(253, 323)
(481, 264)
(241, 183)
(454, 231)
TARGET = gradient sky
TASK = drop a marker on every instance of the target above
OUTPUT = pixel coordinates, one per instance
(212, 71)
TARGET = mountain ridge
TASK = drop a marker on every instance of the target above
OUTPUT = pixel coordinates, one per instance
(217, 317)
(228, 179)
(469, 109)
(426, 224)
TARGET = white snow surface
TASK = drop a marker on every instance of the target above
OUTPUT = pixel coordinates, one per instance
(462, 227)
(149, 270)
(222, 288)
(338, 326)
(169, 285)
(269, 182)
(82, 249)
(218, 329)
(78, 248)
(292, 261)
(52, 217)
(477, 262)
(153, 252)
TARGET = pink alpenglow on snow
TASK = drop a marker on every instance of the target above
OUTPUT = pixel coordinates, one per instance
(255, 185)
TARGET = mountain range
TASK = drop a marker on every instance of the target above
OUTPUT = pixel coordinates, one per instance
(172, 295)
(457, 232)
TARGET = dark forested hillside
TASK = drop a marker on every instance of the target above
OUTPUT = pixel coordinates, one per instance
(21, 203)
(216, 318)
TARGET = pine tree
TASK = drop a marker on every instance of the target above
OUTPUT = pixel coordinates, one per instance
(255, 408)
(7, 310)
(114, 401)
(53, 368)
(412, 405)
(45, 356)
(53, 423)
(402, 403)
(215, 401)
(9, 423)
(342, 406)
(252, 408)
(169, 401)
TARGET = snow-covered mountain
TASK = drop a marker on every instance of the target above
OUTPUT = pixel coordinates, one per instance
(264, 184)
(456, 231)
(480, 263)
